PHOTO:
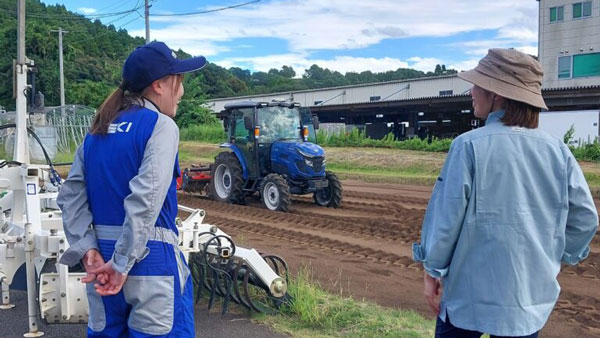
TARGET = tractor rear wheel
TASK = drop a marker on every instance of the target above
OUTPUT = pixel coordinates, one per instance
(275, 193)
(227, 182)
(332, 195)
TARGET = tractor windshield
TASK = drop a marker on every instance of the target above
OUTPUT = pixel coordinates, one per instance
(279, 123)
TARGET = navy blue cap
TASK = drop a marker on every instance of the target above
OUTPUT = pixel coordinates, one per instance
(153, 61)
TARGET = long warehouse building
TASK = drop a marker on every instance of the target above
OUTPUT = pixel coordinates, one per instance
(568, 48)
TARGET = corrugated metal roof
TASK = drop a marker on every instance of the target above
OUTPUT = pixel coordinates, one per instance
(571, 88)
(336, 88)
(390, 82)
(397, 100)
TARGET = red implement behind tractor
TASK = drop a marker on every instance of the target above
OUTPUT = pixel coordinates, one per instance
(194, 179)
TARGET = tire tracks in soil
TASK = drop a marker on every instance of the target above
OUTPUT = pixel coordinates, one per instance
(580, 309)
(340, 235)
(368, 223)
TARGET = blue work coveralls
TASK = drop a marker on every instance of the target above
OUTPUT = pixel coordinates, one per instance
(120, 198)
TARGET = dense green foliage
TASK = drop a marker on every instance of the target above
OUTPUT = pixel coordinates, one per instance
(357, 138)
(213, 133)
(586, 151)
(237, 81)
(94, 54)
(209, 133)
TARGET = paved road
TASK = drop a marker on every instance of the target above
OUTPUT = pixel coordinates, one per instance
(13, 323)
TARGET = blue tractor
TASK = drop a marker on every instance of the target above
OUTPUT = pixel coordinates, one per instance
(271, 153)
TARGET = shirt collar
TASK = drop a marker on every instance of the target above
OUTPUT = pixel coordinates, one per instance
(151, 105)
(494, 116)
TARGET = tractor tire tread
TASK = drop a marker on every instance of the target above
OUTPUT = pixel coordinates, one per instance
(284, 191)
(236, 195)
(336, 199)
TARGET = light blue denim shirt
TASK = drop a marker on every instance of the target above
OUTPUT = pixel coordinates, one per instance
(509, 205)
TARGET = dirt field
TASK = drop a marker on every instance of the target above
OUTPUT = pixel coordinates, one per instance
(363, 249)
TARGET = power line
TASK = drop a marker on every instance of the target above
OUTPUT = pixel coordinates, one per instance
(208, 11)
(83, 17)
(76, 16)
(119, 4)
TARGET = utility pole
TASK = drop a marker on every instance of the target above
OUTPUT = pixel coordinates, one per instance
(60, 32)
(22, 155)
(147, 12)
(21, 148)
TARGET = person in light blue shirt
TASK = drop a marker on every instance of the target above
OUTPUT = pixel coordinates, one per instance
(510, 204)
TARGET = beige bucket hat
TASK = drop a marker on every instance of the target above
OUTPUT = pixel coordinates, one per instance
(510, 74)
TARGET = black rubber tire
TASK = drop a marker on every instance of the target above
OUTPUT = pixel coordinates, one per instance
(236, 192)
(284, 197)
(332, 195)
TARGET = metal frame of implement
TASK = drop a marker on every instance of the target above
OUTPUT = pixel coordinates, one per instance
(31, 234)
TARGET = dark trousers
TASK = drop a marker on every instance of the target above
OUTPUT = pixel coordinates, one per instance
(447, 330)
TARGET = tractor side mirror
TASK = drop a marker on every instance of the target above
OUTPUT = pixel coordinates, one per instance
(248, 123)
(315, 120)
(226, 124)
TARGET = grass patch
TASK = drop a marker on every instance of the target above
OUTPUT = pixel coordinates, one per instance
(374, 165)
(317, 313)
(197, 153)
(64, 157)
(593, 181)
(408, 175)
(209, 133)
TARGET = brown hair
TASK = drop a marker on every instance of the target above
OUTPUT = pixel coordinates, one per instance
(120, 100)
(520, 114)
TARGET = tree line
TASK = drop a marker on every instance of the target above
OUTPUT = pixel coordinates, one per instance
(94, 54)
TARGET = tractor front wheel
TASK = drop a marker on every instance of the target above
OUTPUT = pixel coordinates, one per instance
(227, 181)
(332, 195)
(275, 193)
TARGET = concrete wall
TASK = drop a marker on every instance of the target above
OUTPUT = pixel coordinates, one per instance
(388, 91)
(567, 37)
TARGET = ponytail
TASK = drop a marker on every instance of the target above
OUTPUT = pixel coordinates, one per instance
(121, 99)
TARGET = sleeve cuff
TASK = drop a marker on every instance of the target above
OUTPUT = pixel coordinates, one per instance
(573, 260)
(74, 254)
(417, 252)
(419, 256)
(123, 264)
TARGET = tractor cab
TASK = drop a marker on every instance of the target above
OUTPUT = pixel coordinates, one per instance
(274, 136)
(271, 141)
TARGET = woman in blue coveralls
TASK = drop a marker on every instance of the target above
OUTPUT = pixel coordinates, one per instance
(510, 204)
(119, 204)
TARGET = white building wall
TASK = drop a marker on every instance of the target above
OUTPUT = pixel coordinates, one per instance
(567, 37)
(586, 124)
(388, 91)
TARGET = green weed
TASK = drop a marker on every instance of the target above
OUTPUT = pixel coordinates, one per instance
(314, 312)
(357, 138)
(209, 133)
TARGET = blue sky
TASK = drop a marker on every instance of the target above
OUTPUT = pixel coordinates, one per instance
(342, 35)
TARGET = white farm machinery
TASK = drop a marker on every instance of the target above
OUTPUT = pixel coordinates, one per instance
(31, 235)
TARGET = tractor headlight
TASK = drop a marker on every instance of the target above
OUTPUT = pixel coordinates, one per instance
(305, 155)
(308, 162)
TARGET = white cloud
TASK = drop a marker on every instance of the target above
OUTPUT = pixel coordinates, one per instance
(301, 62)
(87, 10)
(342, 64)
(424, 64)
(335, 24)
(533, 50)
(464, 65)
(312, 25)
